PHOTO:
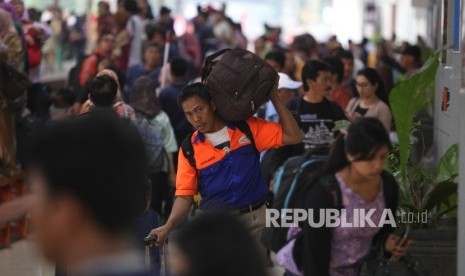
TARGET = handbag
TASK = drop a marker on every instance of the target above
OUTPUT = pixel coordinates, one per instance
(376, 264)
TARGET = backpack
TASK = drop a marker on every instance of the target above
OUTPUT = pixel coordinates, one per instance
(239, 82)
(275, 157)
(285, 255)
(188, 149)
(14, 86)
(290, 178)
(154, 144)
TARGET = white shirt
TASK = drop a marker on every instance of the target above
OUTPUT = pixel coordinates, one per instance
(219, 137)
(135, 27)
(120, 263)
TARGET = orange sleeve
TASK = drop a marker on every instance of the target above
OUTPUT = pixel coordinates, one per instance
(186, 178)
(266, 134)
(88, 70)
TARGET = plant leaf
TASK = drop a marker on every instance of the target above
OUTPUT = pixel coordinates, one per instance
(341, 125)
(439, 194)
(445, 211)
(405, 99)
(448, 165)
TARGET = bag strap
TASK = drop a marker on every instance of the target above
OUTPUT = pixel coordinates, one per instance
(188, 150)
(354, 105)
(245, 128)
(331, 185)
(208, 64)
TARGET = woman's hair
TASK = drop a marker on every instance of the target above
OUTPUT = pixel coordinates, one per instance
(143, 98)
(373, 77)
(363, 140)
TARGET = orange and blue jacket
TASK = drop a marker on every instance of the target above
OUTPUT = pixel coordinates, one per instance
(230, 179)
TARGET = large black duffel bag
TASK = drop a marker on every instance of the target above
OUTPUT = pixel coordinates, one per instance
(239, 82)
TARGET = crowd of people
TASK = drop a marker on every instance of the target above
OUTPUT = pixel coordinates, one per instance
(111, 151)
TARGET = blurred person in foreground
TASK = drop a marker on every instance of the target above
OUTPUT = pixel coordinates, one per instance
(85, 200)
(215, 244)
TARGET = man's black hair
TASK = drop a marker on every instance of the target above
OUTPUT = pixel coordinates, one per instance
(103, 91)
(164, 10)
(277, 56)
(131, 6)
(337, 67)
(99, 160)
(311, 71)
(196, 89)
(179, 67)
(343, 54)
(220, 239)
(413, 51)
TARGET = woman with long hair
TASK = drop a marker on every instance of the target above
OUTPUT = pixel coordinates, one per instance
(372, 101)
(149, 116)
(355, 167)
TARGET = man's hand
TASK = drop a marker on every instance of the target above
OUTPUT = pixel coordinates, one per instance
(161, 234)
(291, 132)
(274, 90)
(181, 208)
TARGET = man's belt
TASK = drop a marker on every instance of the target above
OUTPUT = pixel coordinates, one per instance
(251, 207)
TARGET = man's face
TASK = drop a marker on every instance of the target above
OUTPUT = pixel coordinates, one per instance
(152, 56)
(49, 218)
(348, 67)
(406, 61)
(334, 83)
(322, 85)
(285, 95)
(200, 114)
(274, 64)
(165, 18)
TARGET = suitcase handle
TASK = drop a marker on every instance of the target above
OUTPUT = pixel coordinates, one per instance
(207, 65)
(148, 240)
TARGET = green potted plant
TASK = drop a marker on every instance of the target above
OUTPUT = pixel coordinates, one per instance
(427, 196)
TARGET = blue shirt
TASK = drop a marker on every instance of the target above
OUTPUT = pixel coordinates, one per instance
(136, 72)
(168, 100)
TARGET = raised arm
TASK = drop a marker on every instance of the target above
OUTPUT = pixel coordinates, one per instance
(291, 132)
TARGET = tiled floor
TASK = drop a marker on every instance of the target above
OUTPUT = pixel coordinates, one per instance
(21, 259)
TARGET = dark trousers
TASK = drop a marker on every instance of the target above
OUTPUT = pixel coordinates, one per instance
(161, 193)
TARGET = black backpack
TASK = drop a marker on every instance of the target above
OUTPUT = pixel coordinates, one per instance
(290, 180)
(239, 82)
(188, 149)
